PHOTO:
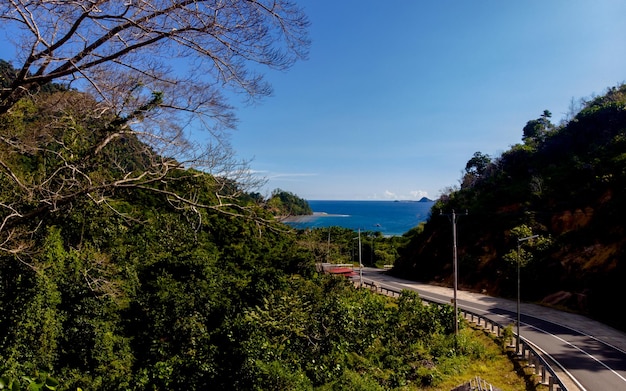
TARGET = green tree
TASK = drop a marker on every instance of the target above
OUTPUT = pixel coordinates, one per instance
(121, 108)
(477, 164)
(285, 203)
(475, 168)
(535, 131)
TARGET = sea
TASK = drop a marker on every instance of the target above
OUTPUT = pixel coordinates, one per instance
(391, 218)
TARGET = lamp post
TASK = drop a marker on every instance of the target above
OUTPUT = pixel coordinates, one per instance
(519, 240)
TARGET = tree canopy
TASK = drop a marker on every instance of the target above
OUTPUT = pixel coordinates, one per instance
(162, 302)
(123, 51)
(284, 203)
(536, 130)
(106, 96)
(566, 184)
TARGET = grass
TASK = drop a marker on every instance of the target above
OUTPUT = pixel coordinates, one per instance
(497, 365)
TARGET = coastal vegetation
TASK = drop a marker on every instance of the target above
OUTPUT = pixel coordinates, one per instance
(565, 183)
(188, 281)
(133, 257)
(341, 245)
(140, 293)
(136, 291)
(284, 203)
(138, 103)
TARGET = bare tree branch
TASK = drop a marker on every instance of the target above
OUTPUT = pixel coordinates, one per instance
(75, 38)
(133, 81)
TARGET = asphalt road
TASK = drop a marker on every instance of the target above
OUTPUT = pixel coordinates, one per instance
(590, 354)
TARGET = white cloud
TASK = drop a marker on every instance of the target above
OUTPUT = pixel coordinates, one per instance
(389, 195)
(291, 175)
(282, 175)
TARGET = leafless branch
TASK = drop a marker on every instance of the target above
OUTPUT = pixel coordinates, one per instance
(141, 78)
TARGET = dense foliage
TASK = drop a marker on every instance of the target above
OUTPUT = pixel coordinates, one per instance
(91, 110)
(132, 255)
(140, 291)
(341, 245)
(284, 203)
(565, 183)
(106, 303)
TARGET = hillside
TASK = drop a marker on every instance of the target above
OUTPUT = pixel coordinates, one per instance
(283, 203)
(564, 183)
(122, 269)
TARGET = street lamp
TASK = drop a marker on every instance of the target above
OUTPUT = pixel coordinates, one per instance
(519, 240)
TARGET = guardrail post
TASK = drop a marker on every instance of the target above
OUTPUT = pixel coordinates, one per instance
(535, 364)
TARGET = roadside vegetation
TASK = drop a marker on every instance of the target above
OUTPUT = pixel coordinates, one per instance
(138, 289)
(565, 183)
(134, 257)
(341, 245)
(160, 305)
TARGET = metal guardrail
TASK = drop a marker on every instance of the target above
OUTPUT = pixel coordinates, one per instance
(476, 384)
(542, 368)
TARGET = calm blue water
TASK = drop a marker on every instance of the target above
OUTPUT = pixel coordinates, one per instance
(388, 217)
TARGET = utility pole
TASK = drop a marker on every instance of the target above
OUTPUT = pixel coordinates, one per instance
(519, 240)
(360, 263)
(328, 248)
(453, 218)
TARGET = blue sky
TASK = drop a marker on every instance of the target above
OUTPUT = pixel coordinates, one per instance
(396, 96)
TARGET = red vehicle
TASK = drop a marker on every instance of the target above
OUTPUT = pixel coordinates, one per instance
(344, 271)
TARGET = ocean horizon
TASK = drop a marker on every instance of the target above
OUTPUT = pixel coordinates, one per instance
(389, 217)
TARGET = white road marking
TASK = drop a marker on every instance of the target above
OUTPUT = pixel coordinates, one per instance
(431, 298)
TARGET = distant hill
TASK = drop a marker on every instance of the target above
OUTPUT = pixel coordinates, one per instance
(565, 183)
(423, 199)
(284, 203)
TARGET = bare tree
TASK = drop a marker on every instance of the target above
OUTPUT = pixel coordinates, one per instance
(133, 43)
(150, 73)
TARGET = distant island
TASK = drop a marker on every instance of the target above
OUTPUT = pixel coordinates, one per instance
(423, 199)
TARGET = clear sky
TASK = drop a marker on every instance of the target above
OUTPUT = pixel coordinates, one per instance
(396, 96)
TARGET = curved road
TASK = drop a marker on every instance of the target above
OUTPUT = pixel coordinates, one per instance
(591, 353)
